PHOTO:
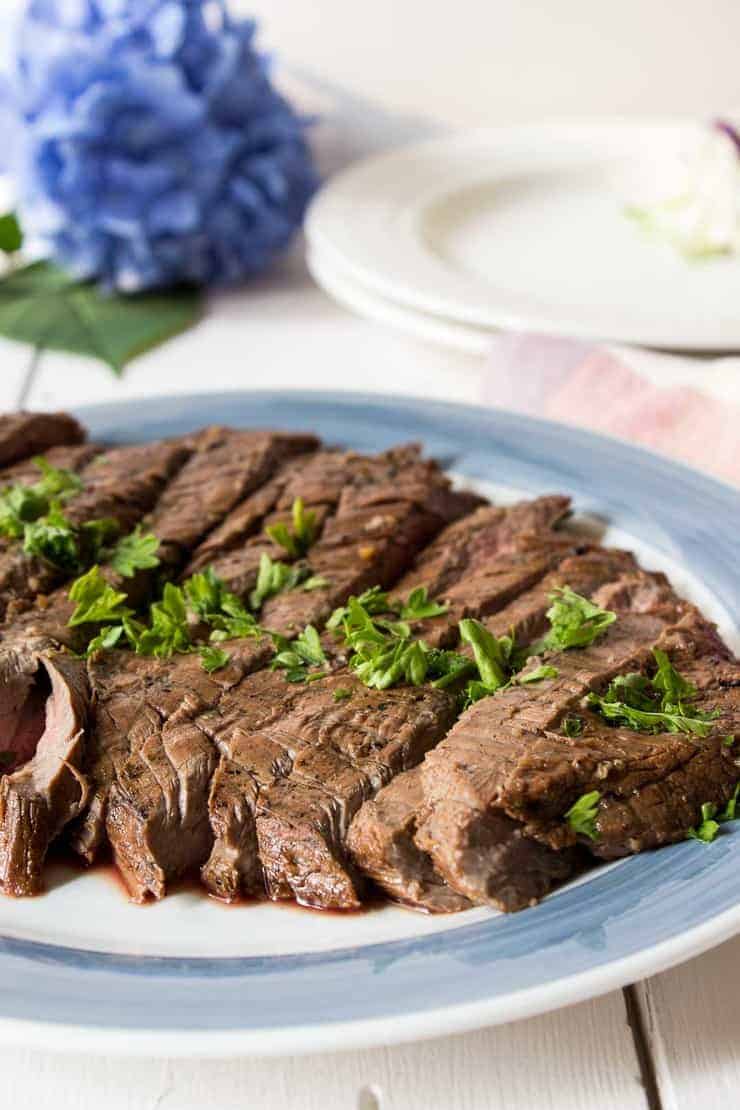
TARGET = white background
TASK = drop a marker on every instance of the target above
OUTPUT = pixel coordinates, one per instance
(496, 61)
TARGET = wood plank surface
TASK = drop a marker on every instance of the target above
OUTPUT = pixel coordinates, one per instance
(581, 1058)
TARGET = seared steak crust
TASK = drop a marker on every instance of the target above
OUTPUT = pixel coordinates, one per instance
(23, 434)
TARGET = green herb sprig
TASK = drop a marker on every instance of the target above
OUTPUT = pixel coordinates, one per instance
(661, 704)
(582, 815)
(296, 540)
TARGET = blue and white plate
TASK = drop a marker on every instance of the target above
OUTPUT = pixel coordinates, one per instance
(83, 969)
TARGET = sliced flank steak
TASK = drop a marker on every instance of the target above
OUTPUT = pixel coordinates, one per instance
(465, 779)
(126, 811)
(44, 703)
(121, 484)
(303, 819)
(227, 467)
(24, 434)
(388, 823)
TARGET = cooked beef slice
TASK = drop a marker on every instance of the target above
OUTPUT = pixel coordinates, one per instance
(122, 484)
(23, 434)
(342, 753)
(318, 476)
(391, 824)
(465, 776)
(26, 472)
(226, 467)
(381, 844)
(164, 747)
(44, 702)
(371, 540)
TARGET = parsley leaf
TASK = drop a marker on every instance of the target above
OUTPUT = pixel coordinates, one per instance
(660, 704)
(107, 638)
(315, 582)
(54, 539)
(21, 505)
(574, 622)
(96, 600)
(707, 828)
(295, 657)
(728, 813)
(342, 693)
(536, 675)
(372, 601)
(419, 607)
(213, 603)
(582, 815)
(168, 632)
(273, 578)
(137, 551)
(303, 534)
(572, 726)
(213, 659)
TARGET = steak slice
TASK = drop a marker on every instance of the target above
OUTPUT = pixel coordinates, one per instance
(342, 753)
(23, 434)
(391, 824)
(381, 842)
(129, 811)
(44, 701)
(73, 457)
(227, 467)
(122, 484)
(464, 777)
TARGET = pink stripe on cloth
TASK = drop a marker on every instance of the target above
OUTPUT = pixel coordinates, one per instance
(580, 384)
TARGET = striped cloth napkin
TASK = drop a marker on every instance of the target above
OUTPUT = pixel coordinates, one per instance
(684, 407)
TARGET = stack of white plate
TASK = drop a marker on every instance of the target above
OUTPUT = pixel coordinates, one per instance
(523, 228)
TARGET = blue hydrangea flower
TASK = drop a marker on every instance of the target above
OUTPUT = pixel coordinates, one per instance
(153, 147)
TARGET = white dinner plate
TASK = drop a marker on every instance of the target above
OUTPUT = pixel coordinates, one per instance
(526, 227)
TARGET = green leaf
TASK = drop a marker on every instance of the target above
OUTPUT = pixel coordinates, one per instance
(96, 600)
(707, 828)
(11, 236)
(168, 633)
(274, 577)
(572, 726)
(315, 582)
(41, 305)
(372, 601)
(537, 675)
(342, 693)
(213, 659)
(137, 551)
(574, 622)
(53, 538)
(728, 813)
(107, 638)
(299, 540)
(582, 815)
(419, 607)
(21, 505)
(492, 655)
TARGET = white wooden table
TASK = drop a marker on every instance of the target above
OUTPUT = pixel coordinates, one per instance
(670, 1042)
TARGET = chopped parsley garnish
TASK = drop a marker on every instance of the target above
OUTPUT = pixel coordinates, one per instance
(372, 601)
(168, 632)
(107, 638)
(212, 603)
(301, 537)
(661, 704)
(213, 658)
(707, 828)
(96, 600)
(297, 657)
(574, 622)
(418, 607)
(315, 582)
(572, 726)
(537, 674)
(21, 505)
(712, 817)
(137, 551)
(54, 539)
(582, 815)
(342, 693)
(274, 577)
(492, 655)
